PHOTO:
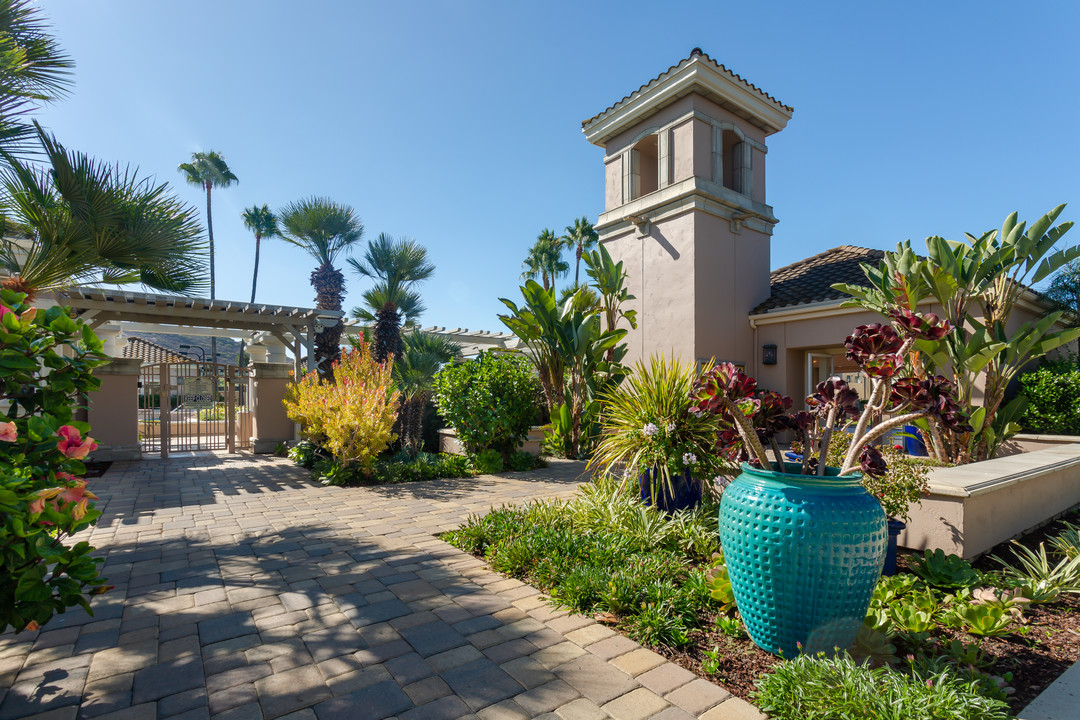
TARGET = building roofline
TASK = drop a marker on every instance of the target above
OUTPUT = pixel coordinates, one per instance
(696, 72)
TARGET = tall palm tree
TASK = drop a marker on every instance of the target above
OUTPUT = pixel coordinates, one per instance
(581, 236)
(209, 170)
(33, 69)
(396, 266)
(324, 229)
(545, 259)
(78, 221)
(262, 222)
(422, 355)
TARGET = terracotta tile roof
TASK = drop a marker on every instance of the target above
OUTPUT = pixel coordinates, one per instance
(151, 352)
(696, 53)
(810, 280)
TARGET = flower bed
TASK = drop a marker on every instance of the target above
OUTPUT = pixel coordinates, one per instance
(649, 575)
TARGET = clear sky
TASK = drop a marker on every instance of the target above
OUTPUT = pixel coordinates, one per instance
(459, 123)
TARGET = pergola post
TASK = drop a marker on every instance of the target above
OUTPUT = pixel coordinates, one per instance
(270, 424)
(113, 410)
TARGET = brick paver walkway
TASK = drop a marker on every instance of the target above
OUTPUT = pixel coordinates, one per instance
(245, 591)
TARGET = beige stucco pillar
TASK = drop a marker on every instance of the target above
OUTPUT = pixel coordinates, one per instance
(113, 410)
(270, 424)
(257, 352)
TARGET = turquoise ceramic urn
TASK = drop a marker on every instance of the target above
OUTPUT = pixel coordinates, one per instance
(804, 553)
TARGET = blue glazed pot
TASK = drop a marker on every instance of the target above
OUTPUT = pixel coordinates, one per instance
(687, 492)
(803, 553)
(895, 528)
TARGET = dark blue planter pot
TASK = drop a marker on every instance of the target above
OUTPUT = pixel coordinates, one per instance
(686, 495)
(804, 554)
(914, 445)
(895, 527)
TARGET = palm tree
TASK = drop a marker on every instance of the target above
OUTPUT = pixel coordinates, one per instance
(545, 260)
(209, 170)
(324, 229)
(262, 222)
(581, 236)
(33, 69)
(396, 266)
(422, 355)
(80, 221)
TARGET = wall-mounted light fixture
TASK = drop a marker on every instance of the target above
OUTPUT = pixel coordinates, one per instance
(768, 354)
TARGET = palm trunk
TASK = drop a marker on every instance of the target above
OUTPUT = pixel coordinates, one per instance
(329, 284)
(255, 275)
(210, 233)
(577, 267)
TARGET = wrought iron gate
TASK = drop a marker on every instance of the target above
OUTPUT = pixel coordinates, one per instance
(194, 406)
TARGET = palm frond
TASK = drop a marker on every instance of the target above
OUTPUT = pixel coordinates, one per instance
(321, 227)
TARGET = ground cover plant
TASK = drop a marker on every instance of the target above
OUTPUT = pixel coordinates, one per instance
(989, 637)
(404, 466)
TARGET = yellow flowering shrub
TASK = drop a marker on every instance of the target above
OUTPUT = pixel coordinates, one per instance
(352, 416)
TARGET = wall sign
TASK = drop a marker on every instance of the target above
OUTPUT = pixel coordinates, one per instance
(199, 392)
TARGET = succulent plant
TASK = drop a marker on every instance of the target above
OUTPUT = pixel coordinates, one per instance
(923, 326)
(875, 348)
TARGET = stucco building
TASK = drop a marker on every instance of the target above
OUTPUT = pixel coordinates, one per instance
(685, 208)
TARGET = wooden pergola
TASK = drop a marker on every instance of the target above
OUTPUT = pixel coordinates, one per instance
(295, 327)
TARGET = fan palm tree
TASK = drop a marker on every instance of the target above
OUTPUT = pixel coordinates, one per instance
(581, 236)
(209, 170)
(79, 221)
(396, 266)
(262, 222)
(422, 355)
(33, 69)
(324, 229)
(545, 260)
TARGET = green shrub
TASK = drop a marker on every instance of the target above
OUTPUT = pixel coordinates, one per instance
(520, 460)
(46, 359)
(398, 469)
(490, 401)
(305, 453)
(487, 462)
(1053, 394)
(820, 688)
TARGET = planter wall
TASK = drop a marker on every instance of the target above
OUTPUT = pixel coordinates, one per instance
(972, 508)
(448, 442)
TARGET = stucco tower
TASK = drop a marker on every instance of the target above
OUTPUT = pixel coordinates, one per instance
(685, 207)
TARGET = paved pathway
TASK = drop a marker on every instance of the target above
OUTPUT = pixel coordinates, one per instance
(246, 591)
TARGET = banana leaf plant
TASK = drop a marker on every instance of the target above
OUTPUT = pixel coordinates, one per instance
(977, 284)
(569, 348)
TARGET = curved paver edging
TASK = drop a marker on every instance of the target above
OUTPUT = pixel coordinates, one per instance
(246, 591)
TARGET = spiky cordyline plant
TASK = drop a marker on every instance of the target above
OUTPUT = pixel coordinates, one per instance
(646, 425)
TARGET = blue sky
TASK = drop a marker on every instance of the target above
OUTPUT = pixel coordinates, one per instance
(459, 123)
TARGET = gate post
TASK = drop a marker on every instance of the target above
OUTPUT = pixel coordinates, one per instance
(164, 405)
(270, 424)
(113, 410)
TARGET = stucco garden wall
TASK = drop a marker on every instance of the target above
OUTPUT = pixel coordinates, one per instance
(971, 508)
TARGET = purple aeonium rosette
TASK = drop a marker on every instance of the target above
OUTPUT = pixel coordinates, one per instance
(923, 326)
(875, 349)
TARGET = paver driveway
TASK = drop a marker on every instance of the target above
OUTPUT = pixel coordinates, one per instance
(245, 590)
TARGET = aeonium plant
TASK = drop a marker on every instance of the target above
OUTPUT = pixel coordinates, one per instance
(749, 420)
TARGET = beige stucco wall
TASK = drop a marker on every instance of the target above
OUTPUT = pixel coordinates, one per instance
(111, 411)
(270, 425)
(731, 278)
(971, 508)
(660, 268)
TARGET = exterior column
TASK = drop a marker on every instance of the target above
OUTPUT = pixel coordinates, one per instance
(270, 424)
(113, 410)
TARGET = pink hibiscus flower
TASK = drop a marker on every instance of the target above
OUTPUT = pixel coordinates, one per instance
(73, 445)
(8, 432)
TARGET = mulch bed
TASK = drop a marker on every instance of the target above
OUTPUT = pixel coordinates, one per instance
(1035, 656)
(96, 469)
